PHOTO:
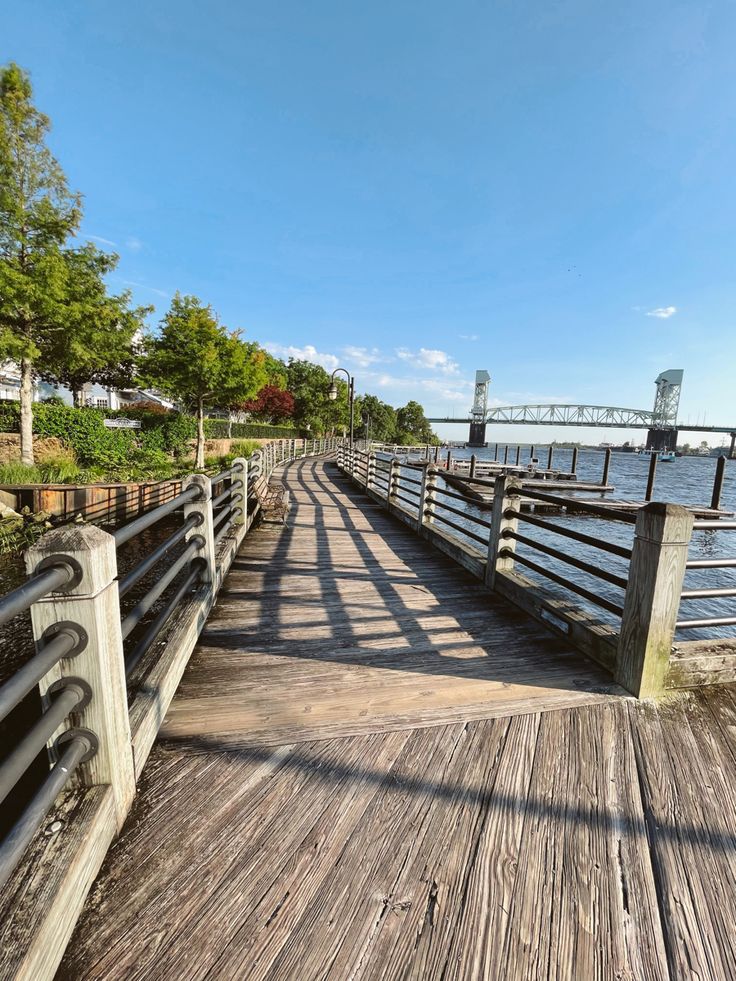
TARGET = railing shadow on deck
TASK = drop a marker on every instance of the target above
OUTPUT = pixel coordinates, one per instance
(556, 664)
(716, 836)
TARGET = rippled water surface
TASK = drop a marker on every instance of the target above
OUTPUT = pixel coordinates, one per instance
(687, 480)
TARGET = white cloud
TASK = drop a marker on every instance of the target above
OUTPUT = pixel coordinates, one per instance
(468, 337)
(134, 244)
(663, 313)
(429, 358)
(102, 241)
(363, 356)
(433, 393)
(307, 353)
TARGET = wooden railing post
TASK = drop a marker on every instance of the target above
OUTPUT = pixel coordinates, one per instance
(240, 494)
(91, 607)
(422, 497)
(393, 482)
(203, 507)
(656, 573)
(427, 497)
(506, 491)
(370, 471)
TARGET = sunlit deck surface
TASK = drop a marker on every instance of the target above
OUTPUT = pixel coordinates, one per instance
(373, 769)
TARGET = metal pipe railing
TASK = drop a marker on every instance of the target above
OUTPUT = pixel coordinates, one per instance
(710, 564)
(157, 625)
(20, 836)
(555, 553)
(144, 567)
(25, 752)
(586, 507)
(483, 522)
(20, 599)
(150, 518)
(218, 479)
(692, 594)
(407, 500)
(572, 533)
(706, 622)
(457, 527)
(222, 498)
(67, 642)
(160, 586)
(567, 583)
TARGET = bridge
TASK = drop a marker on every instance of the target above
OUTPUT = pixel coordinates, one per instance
(388, 738)
(660, 422)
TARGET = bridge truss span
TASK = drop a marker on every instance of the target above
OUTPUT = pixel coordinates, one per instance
(572, 415)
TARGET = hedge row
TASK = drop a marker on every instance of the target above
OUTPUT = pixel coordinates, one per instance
(85, 432)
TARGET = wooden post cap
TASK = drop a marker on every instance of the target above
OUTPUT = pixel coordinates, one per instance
(90, 549)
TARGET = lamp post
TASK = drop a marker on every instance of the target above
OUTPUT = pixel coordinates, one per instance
(367, 425)
(332, 395)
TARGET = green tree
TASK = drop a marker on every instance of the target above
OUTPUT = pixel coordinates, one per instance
(38, 213)
(412, 425)
(309, 384)
(382, 425)
(200, 363)
(98, 344)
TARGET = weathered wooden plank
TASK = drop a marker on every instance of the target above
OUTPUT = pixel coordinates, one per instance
(45, 896)
(584, 903)
(693, 875)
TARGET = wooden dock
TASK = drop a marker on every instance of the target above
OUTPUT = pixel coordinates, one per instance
(482, 495)
(374, 769)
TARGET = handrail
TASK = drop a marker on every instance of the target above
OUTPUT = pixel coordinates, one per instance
(145, 566)
(23, 597)
(68, 641)
(573, 533)
(24, 753)
(555, 553)
(189, 565)
(574, 587)
(13, 847)
(463, 514)
(150, 518)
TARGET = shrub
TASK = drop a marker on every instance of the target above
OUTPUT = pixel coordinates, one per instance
(84, 432)
(218, 429)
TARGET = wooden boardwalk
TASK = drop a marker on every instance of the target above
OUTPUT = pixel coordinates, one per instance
(375, 771)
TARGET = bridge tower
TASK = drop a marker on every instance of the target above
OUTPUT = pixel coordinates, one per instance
(663, 435)
(477, 435)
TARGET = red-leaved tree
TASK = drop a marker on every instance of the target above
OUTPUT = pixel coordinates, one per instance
(271, 403)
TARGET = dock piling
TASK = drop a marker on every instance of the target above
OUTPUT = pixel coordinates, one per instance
(650, 478)
(715, 501)
(606, 467)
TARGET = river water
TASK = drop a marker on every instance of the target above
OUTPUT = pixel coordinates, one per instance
(687, 480)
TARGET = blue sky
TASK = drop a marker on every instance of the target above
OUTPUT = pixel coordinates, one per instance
(416, 190)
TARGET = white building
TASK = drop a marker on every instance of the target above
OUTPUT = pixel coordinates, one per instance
(96, 396)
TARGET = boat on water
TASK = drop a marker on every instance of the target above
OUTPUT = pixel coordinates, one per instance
(663, 456)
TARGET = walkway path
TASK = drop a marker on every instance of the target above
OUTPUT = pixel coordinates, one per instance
(361, 778)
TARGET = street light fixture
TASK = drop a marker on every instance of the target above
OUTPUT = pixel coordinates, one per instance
(332, 395)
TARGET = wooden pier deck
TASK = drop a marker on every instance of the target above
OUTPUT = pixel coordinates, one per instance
(374, 770)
